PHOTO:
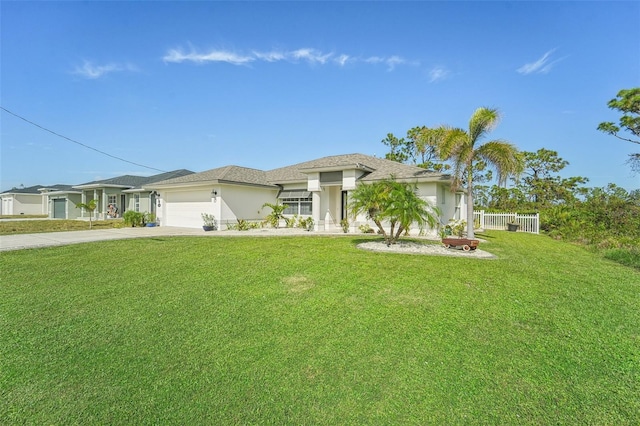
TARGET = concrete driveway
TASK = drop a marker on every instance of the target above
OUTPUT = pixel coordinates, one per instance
(25, 241)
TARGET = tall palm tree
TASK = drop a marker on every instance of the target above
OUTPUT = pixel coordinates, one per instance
(465, 150)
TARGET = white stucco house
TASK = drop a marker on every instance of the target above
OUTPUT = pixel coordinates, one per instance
(318, 188)
(22, 201)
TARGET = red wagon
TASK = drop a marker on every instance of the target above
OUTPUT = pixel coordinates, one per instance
(464, 243)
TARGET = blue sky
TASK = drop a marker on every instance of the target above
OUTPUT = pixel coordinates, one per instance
(199, 85)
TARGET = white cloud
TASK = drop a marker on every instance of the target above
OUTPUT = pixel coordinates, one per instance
(342, 60)
(437, 74)
(91, 71)
(273, 56)
(393, 61)
(541, 66)
(178, 56)
(309, 55)
(374, 60)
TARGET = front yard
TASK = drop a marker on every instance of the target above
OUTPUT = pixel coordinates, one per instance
(295, 330)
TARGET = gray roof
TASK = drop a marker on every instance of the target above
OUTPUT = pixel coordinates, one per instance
(377, 169)
(226, 174)
(131, 181)
(57, 187)
(27, 190)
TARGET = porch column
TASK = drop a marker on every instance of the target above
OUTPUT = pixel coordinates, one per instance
(95, 197)
(315, 210)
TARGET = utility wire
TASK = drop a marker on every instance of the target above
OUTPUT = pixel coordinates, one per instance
(78, 143)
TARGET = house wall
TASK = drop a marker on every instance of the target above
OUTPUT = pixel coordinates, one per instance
(70, 200)
(243, 202)
(15, 204)
(184, 207)
(145, 206)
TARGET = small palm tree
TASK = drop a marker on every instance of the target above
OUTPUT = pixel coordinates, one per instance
(277, 213)
(395, 202)
(369, 199)
(405, 208)
(90, 207)
(464, 149)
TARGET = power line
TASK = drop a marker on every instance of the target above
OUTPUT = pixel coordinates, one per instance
(78, 143)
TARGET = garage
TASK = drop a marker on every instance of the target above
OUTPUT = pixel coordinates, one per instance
(183, 208)
(59, 208)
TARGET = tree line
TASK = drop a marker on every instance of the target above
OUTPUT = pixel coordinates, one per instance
(531, 181)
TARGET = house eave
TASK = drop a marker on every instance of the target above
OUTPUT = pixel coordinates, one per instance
(101, 185)
(338, 168)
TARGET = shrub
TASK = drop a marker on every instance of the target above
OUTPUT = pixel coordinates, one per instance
(306, 224)
(133, 219)
(366, 229)
(243, 225)
(291, 222)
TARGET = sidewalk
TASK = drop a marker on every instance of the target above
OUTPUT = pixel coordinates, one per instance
(25, 241)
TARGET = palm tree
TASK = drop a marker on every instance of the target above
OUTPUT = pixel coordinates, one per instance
(90, 207)
(395, 202)
(405, 208)
(277, 213)
(466, 152)
(369, 199)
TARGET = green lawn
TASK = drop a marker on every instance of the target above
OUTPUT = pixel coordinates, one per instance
(310, 330)
(13, 227)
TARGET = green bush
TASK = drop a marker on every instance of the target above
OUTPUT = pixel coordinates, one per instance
(133, 219)
(243, 225)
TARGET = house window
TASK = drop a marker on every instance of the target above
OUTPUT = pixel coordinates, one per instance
(113, 200)
(298, 202)
(443, 194)
(136, 202)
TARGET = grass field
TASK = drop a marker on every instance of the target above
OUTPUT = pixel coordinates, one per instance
(48, 225)
(296, 330)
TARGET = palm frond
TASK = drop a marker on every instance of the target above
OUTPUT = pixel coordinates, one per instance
(503, 156)
(483, 121)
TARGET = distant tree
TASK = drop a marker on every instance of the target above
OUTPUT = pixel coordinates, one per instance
(628, 103)
(464, 149)
(417, 148)
(400, 150)
(424, 141)
(394, 202)
(90, 207)
(541, 184)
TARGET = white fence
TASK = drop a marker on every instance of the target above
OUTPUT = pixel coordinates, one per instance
(527, 222)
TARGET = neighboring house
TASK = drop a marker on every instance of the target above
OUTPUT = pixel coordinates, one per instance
(22, 201)
(318, 189)
(60, 201)
(119, 194)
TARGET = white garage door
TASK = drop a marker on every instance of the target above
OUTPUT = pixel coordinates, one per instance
(184, 208)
